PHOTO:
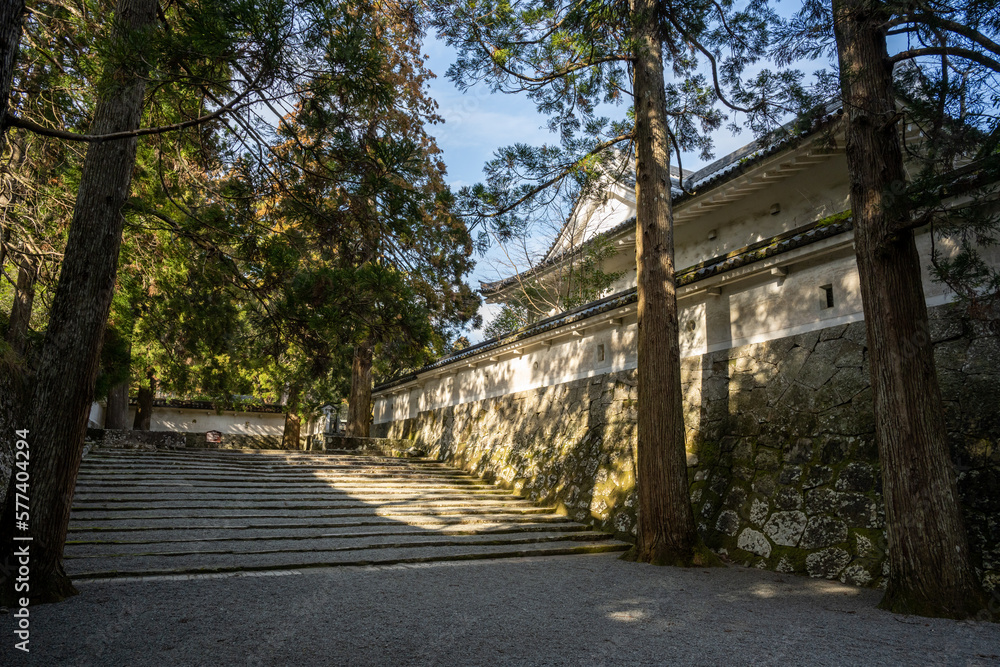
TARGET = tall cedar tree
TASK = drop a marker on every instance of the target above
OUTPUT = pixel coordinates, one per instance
(67, 362)
(367, 196)
(930, 568)
(69, 356)
(570, 58)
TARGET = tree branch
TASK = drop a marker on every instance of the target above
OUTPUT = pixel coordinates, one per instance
(25, 124)
(955, 52)
(604, 145)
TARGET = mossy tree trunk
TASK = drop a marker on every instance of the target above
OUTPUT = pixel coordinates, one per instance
(666, 531)
(69, 357)
(930, 572)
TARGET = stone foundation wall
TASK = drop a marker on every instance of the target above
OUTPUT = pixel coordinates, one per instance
(129, 439)
(782, 458)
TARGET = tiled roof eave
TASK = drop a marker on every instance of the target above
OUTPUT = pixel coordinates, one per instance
(715, 175)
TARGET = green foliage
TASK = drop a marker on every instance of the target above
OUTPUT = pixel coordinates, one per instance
(512, 316)
(333, 228)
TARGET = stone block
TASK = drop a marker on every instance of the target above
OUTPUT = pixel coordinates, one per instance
(822, 501)
(849, 382)
(851, 355)
(735, 497)
(816, 476)
(728, 522)
(832, 333)
(788, 499)
(828, 563)
(759, 510)
(765, 483)
(790, 475)
(755, 542)
(856, 575)
(823, 531)
(819, 368)
(807, 341)
(857, 510)
(799, 450)
(856, 476)
(981, 357)
(785, 528)
(793, 361)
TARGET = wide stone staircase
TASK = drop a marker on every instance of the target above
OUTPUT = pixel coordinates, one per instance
(188, 512)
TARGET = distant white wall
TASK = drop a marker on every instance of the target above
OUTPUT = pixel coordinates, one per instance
(186, 420)
(96, 418)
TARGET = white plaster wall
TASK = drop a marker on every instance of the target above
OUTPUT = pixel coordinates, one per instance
(183, 420)
(752, 305)
(754, 309)
(96, 418)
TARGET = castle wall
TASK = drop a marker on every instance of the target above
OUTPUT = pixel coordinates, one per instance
(752, 305)
(783, 466)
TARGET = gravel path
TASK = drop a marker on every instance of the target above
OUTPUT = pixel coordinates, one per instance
(589, 610)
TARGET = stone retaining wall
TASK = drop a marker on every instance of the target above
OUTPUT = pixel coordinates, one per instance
(129, 439)
(782, 458)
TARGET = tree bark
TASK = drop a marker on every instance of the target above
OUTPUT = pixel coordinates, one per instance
(69, 357)
(359, 405)
(293, 428)
(116, 413)
(20, 312)
(11, 17)
(666, 531)
(293, 423)
(930, 571)
(144, 405)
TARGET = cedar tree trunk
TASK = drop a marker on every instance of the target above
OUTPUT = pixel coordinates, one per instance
(666, 533)
(359, 405)
(144, 405)
(293, 424)
(11, 16)
(929, 566)
(293, 427)
(69, 356)
(20, 312)
(116, 413)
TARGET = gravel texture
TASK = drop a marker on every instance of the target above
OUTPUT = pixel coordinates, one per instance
(578, 610)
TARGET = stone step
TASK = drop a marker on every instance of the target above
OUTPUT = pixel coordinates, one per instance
(118, 525)
(191, 457)
(189, 512)
(88, 569)
(151, 514)
(304, 504)
(325, 543)
(307, 489)
(308, 532)
(143, 476)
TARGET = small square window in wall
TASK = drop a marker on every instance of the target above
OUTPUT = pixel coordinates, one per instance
(599, 353)
(827, 296)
